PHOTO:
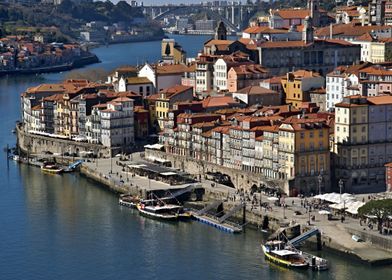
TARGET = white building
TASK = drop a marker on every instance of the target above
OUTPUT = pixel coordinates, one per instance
(140, 85)
(341, 82)
(163, 75)
(117, 123)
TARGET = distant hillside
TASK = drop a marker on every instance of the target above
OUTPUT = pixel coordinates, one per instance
(68, 16)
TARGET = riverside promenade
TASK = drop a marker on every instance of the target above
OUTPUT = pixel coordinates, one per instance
(336, 235)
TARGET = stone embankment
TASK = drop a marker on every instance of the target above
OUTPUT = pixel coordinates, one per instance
(39, 144)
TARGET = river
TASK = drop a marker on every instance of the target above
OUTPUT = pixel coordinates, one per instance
(67, 227)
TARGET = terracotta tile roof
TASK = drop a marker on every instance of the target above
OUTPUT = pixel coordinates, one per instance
(137, 80)
(121, 99)
(292, 13)
(380, 100)
(54, 97)
(353, 30)
(252, 68)
(171, 69)
(299, 74)
(175, 90)
(257, 90)
(264, 29)
(219, 101)
(219, 42)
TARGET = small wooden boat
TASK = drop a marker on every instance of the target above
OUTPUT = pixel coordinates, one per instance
(275, 251)
(51, 167)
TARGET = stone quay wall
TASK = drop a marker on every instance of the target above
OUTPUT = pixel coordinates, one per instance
(38, 144)
(240, 178)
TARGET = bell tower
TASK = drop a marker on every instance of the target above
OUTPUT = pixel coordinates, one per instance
(221, 32)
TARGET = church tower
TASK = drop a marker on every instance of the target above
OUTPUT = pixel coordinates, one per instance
(221, 32)
(307, 32)
(314, 8)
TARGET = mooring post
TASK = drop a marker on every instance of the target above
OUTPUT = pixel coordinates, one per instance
(319, 245)
(243, 213)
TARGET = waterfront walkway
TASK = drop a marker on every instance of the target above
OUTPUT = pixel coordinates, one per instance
(336, 235)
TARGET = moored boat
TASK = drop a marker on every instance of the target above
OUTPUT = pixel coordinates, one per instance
(276, 252)
(52, 168)
(161, 211)
(129, 200)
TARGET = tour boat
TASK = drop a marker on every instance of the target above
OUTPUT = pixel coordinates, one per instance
(128, 200)
(52, 168)
(159, 210)
(276, 252)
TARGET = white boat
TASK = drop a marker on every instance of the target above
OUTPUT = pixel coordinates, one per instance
(164, 211)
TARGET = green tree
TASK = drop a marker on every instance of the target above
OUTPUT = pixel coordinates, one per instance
(380, 208)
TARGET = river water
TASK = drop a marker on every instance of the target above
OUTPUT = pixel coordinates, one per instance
(68, 227)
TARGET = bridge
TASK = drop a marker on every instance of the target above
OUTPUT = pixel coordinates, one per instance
(234, 15)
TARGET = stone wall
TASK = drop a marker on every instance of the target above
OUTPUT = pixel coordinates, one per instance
(37, 144)
(240, 178)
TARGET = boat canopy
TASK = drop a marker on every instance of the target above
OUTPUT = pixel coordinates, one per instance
(284, 252)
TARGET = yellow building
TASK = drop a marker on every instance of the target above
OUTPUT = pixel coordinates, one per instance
(162, 102)
(304, 155)
(296, 86)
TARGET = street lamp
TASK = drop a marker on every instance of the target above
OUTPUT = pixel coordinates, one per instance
(320, 180)
(340, 188)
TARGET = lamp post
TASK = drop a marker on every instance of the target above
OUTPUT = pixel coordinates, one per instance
(341, 184)
(320, 180)
(340, 188)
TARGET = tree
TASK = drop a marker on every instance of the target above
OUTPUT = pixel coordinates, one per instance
(380, 208)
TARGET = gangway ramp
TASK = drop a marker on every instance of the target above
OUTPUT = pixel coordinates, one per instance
(306, 235)
(74, 165)
(213, 205)
(179, 192)
(230, 213)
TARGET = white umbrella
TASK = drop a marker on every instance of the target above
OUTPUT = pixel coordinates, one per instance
(324, 212)
(273, 198)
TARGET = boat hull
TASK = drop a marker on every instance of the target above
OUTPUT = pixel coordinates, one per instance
(164, 217)
(51, 171)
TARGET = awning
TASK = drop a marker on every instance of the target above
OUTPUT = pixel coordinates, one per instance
(168, 173)
(154, 146)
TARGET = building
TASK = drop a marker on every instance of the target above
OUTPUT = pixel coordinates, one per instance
(205, 24)
(265, 33)
(172, 52)
(388, 176)
(320, 55)
(256, 95)
(222, 67)
(363, 135)
(296, 86)
(163, 101)
(352, 31)
(141, 123)
(245, 75)
(304, 155)
(342, 81)
(164, 75)
(285, 18)
(117, 124)
(139, 85)
(349, 14)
